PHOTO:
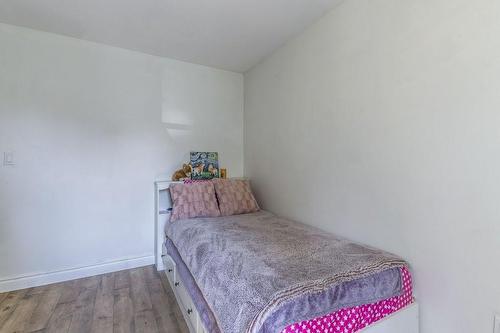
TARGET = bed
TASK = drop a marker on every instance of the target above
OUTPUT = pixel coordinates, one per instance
(259, 273)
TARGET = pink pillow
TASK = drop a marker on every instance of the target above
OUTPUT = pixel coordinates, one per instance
(193, 200)
(235, 196)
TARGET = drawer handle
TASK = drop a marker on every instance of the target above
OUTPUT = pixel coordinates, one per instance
(176, 284)
(190, 311)
(170, 270)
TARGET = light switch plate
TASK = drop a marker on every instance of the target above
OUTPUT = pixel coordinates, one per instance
(8, 158)
(496, 325)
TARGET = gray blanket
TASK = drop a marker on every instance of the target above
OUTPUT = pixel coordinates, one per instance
(259, 273)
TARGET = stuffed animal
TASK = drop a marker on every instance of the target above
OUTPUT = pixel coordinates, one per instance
(183, 173)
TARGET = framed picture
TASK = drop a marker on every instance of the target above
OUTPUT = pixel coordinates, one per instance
(205, 165)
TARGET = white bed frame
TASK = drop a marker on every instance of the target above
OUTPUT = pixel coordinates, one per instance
(403, 321)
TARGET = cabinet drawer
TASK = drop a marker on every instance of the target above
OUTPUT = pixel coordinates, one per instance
(186, 305)
(183, 295)
(169, 265)
(184, 300)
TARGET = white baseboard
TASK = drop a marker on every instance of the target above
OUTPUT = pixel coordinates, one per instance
(35, 280)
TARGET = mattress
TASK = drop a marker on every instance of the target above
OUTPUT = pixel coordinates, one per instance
(246, 260)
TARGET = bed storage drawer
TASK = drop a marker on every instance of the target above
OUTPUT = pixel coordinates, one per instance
(184, 300)
(170, 270)
(187, 304)
(187, 307)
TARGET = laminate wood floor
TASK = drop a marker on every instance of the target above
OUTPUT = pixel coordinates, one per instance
(136, 300)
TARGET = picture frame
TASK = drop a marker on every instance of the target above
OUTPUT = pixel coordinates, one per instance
(205, 165)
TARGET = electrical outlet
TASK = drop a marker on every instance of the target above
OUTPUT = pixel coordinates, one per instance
(496, 325)
(8, 158)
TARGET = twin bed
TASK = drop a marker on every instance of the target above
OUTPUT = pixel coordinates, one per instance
(259, 273)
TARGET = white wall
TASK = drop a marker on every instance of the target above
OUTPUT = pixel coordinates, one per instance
(381, 123)
(91, 128)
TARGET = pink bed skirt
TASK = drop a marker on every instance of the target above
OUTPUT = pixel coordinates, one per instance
(350, 320)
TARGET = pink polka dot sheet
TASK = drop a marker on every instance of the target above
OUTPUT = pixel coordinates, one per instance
(354, 319)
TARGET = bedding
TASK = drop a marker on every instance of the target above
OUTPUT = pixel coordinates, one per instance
(194, 200)
(261, 273)
(235, 196)
(345, 320)
(354, 319)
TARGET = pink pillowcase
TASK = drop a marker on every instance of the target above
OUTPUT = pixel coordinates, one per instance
(193, 200)
(235, 196)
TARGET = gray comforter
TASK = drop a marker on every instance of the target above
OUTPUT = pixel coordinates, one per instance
(259, 273)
